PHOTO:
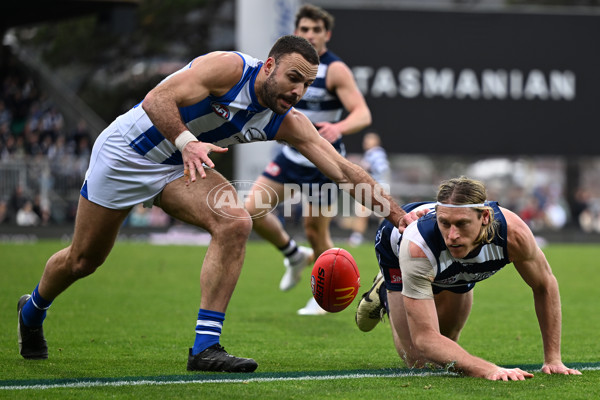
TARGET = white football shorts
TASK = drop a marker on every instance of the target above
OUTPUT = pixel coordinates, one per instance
(119, 178)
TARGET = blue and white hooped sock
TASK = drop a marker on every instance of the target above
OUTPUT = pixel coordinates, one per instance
(208, 329)
(34, 311)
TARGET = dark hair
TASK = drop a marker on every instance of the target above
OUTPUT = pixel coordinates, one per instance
(289, 44)
(316, 14)
(464, 190)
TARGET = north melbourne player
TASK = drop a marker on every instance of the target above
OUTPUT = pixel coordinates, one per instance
(158, 154)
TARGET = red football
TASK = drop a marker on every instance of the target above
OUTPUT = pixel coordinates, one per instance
(335, 280)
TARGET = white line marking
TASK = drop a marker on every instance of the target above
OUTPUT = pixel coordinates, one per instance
(150, 382)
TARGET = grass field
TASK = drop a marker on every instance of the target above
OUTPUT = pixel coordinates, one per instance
(124, 332)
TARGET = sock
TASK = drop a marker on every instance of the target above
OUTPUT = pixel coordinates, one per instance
(208, 329)
(290, 249)
(34, 311)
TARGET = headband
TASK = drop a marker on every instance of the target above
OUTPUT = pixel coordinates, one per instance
(484, 204)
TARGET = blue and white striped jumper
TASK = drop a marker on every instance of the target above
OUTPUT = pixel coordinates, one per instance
(233, 118)
(132, 161)
(319, 105)
(457, 275)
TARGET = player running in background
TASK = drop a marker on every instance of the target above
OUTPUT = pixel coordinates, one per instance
(430, 271)
(333, 91)
(157, 153)
(376, 163)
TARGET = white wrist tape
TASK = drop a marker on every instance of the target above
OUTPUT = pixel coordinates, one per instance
(184, 138)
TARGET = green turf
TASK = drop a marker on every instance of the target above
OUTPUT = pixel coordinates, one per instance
(135, 317)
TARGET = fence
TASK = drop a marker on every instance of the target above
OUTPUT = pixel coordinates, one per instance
(51, 184)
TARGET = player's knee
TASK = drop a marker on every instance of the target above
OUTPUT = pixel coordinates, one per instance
(236, 226)
(311, 228)
(84, 266)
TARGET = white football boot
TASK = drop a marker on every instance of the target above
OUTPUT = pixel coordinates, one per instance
(294, 266)
(312, 308)
(370, 310)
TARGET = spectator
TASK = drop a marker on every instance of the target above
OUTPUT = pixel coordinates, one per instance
(4, 217)
(532, 214)
(555, 215)
(139, 217)
(42, 210)
(26, 216)
(5, 114)
(580, 205)
(16, 201)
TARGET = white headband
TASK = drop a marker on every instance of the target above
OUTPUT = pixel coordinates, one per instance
(485, 204)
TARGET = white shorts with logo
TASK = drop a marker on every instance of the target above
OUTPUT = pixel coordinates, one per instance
(119, 178)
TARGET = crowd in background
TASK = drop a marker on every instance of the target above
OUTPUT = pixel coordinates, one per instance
(34, 136)
(33, 131)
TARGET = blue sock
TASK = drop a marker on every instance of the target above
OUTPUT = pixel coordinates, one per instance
(34, 311)
(208, 329)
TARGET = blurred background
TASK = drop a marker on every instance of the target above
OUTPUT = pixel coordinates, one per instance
(504, 91)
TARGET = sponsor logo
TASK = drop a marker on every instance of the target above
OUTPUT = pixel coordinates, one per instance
(319, 286)
(395, 275)
(346, 298)
(221, 110)
(448, 83)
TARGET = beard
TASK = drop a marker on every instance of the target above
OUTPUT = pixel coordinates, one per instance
(269, 94)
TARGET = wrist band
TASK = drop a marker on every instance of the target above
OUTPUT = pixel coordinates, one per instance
(184, 138)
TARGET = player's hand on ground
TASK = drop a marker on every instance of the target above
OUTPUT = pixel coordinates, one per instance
(509, 374)
(194, 155)
(329, 131)
(560, 369)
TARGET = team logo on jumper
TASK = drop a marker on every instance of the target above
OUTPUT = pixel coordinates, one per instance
(273, 169)
(221, 110)
(254, 135)
(228, 198)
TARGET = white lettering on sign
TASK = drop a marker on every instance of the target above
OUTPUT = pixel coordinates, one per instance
(489, 84)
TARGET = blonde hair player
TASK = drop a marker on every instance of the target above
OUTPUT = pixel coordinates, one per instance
(430, 271)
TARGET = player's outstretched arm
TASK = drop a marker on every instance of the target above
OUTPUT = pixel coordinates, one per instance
(438, 349)
(298, 131)
(531, 263)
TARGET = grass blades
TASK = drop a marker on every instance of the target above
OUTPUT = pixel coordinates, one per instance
(135, 317)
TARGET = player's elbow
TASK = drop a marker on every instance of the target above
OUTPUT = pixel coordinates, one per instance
(368, 119)
(546, 286)
(148, 102)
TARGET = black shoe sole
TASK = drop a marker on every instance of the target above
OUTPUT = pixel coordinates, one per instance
(41, 352)
(213, 364)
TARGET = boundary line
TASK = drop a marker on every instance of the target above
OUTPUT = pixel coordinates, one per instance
(44, 384)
